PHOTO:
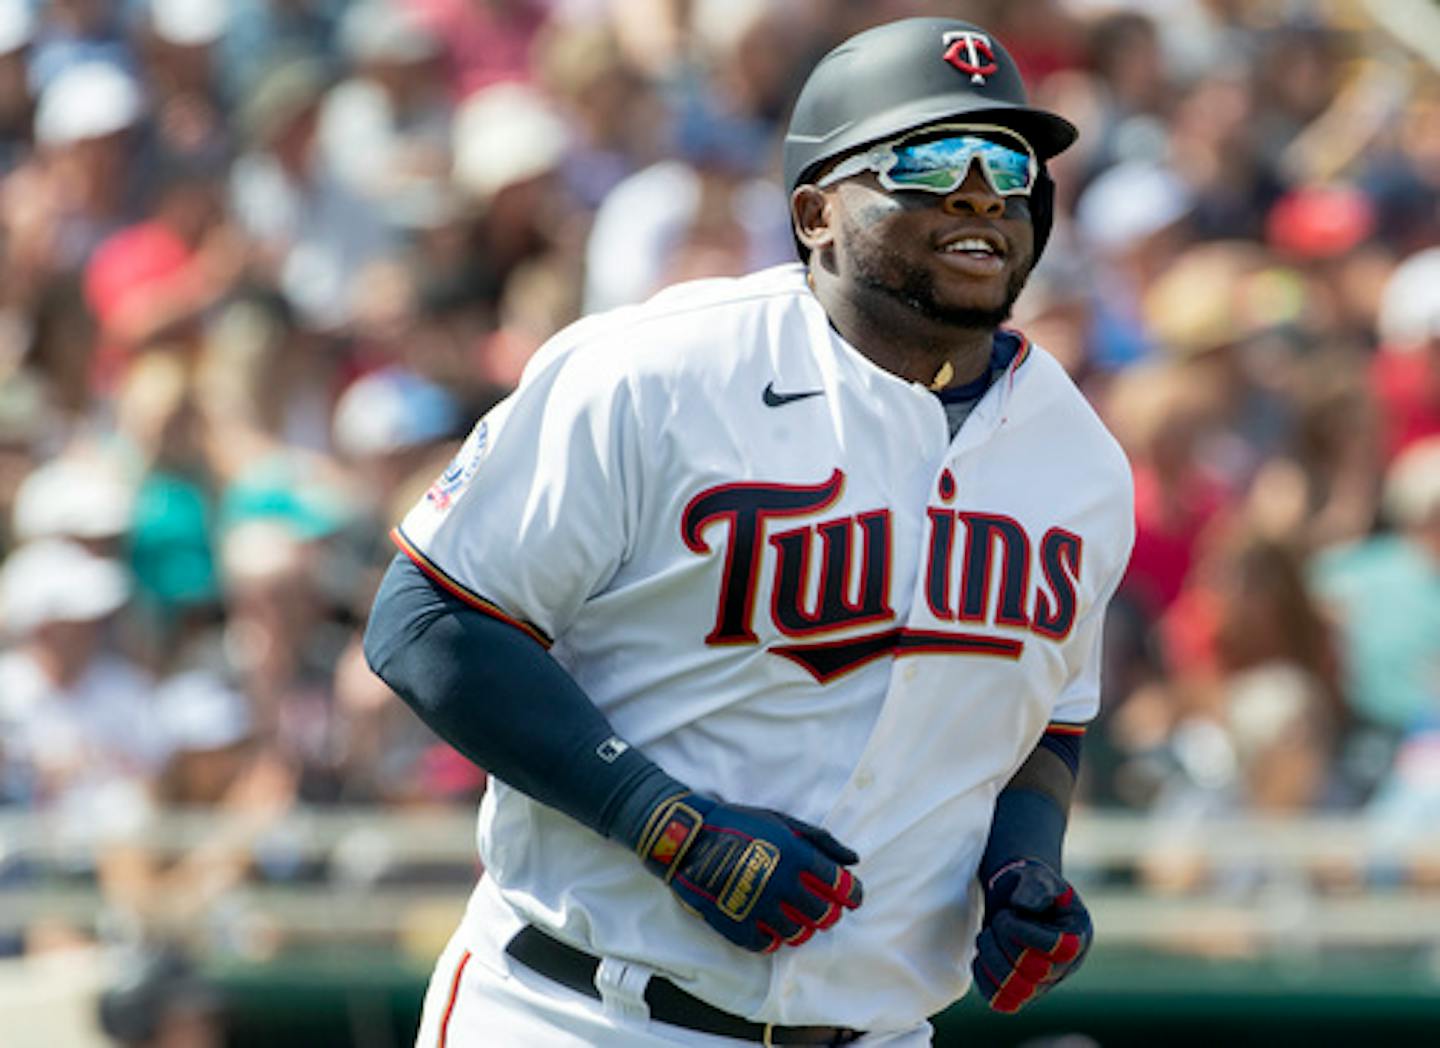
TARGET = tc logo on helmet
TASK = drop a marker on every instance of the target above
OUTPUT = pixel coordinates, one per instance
(970, 52)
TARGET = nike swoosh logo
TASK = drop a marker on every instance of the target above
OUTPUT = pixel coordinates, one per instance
(775, 400)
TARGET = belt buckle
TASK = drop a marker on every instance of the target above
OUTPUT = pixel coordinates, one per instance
(767, 1036)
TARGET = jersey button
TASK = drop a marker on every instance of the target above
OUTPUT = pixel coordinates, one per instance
(865, 778)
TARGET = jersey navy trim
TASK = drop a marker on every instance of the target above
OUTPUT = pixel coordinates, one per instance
(830, 660)
(1021, 350)
(437, 575)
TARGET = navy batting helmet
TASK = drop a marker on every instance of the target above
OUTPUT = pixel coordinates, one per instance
(905, 75)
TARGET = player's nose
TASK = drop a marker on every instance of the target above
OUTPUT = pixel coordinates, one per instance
(975, 196)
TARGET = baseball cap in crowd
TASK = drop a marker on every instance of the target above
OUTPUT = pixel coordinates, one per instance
(381, 31)
(87, 100)
(199, 712)
(1130, 202)
(284, 92)
(392, 410)
(1320, 221)
(1409, 314)
(56, 580)
(1412, 484)
(260, 550)
(504, 135)
(73, 497)
(172, 557)
(189, 23)
(292, 489)
(17, 25)
(1220, 293)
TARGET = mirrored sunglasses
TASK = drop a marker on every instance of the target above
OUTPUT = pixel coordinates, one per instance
(937, 160)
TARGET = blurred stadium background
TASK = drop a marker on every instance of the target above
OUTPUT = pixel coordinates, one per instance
(263, 261)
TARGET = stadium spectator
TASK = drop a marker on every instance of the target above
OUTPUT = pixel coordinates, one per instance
(487, 42)
(262, 34)
(86, 176)
(1129, 222)
(80, 731)
(77, 32)
(1407, 368)
(385, 130)
(1384, 593)
(1160, 416)
(17, 29)
(312, 234)
(155, 280)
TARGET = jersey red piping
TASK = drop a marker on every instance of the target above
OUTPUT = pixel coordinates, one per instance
(1020, 354)
(455, 589)
(450, 1002)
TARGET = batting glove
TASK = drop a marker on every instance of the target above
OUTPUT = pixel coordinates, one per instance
(758, 877)
(1036, 932)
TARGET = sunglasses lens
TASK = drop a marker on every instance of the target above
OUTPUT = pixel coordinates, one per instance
(940, 165)
(1010, 172)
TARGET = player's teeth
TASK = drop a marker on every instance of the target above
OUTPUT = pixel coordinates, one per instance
(971, 244)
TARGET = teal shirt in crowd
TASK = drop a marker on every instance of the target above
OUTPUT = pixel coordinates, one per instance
(1385, 593)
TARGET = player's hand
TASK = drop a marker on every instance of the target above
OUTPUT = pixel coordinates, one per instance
(758, 877)
(1036, 932)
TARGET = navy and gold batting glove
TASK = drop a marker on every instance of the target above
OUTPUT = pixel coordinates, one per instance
(1035, 933)
(758, 877)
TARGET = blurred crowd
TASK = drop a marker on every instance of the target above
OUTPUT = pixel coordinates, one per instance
(263, 262)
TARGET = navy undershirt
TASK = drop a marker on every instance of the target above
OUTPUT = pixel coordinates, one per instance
(959, 401)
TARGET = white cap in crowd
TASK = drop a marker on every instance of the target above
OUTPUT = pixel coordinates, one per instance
(87, 100)
(382, 31)
(392, 410)
(504, 135)
(200, 712)
(1412, 484)
(1409, 313)
(189, 23)
(73, 497)
(55, 580)
(17, 25)
(1130, 202)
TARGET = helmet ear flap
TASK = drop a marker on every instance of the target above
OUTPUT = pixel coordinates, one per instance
(1042, 209)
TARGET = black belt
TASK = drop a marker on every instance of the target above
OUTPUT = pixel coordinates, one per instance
(668, 1003)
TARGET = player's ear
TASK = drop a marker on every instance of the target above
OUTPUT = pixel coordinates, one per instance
(812, 216)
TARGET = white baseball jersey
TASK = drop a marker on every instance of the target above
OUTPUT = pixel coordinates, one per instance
(766, 560)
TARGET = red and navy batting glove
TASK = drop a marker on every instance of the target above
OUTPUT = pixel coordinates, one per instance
(1036, 932)
(758, 877)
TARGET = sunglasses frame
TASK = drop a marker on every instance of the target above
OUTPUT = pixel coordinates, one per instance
(882, 158)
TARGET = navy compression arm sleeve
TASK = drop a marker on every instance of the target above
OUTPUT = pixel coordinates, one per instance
(495, 694)
(1033, 808)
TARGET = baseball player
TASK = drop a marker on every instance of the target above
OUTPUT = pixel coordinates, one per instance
(773, 586)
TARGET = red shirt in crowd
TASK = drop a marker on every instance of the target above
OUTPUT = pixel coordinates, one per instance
(1407, 391)
(136, 260)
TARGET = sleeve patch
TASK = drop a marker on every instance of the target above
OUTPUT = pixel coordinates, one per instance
(457, 475)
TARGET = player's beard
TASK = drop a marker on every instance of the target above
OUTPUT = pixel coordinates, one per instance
(914, 286)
